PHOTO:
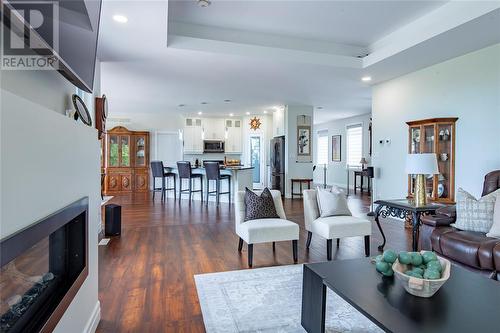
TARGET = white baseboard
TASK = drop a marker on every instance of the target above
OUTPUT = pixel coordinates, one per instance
(93, 321)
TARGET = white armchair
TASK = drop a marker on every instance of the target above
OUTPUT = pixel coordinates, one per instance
(333, 226)
(264, 230)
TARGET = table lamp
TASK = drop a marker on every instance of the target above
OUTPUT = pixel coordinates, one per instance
(363, 162)
(421, 165)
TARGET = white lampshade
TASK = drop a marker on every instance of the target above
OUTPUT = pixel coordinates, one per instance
(422, 164)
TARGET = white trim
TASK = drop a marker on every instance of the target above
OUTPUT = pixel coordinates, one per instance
(94, 319)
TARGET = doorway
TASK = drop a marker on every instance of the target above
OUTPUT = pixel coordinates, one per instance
(257, 160)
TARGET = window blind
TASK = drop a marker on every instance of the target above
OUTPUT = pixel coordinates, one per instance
(322, 153)
(354, 145)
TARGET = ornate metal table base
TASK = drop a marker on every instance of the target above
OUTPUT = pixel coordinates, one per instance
(402, 209)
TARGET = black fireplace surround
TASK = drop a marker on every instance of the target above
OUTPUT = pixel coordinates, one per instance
(41, 269)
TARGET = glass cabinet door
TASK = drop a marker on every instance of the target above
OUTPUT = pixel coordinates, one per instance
(445, 158)
(113, 151)
(125, 150)
(415, 140)
(415, 148)
(428, 146)
(140, 151)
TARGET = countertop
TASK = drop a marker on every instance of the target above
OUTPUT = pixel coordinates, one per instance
(229, 167)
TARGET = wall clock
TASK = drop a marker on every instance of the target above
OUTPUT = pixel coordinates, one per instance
(255, 123)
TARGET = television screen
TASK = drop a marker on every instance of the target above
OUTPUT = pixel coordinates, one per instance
(66, 29)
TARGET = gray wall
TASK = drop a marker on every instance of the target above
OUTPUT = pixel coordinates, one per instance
(467, 87)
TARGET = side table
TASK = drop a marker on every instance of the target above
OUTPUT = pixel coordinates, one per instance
(401, 209)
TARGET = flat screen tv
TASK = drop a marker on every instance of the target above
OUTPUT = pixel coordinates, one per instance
(67, 30)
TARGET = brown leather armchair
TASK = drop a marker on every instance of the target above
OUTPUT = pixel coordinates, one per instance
(473, 250)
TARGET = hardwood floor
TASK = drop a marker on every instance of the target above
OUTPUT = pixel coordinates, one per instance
(146, 275)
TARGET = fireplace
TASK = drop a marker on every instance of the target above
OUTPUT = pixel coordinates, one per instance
(42, 268)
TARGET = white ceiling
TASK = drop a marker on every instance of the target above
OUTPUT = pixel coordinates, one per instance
(348, 22)
(265, 53)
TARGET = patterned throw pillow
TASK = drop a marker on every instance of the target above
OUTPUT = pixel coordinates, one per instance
(259, 207)
(495, 228)
(474, 214)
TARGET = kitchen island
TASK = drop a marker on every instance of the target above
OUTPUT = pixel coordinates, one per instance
(241, 177)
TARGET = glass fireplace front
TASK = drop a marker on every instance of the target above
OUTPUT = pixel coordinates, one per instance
(42, 268)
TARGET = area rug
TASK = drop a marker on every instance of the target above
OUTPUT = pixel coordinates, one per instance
(268, 300)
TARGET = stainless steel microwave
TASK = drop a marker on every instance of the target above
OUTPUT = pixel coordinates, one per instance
(213, 146)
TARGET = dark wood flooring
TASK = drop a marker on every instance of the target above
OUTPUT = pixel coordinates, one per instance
(146, 275)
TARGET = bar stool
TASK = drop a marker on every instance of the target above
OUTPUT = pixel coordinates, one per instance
(212, 170)
(185, 172)
(158, 171)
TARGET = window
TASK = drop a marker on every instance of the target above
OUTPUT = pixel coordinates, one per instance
(354, 145)
(322, 152)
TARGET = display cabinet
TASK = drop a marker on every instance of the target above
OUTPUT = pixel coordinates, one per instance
(435, 135)
(126, 163)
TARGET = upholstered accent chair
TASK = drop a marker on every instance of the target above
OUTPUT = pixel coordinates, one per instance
(333, 227)
(264, 230)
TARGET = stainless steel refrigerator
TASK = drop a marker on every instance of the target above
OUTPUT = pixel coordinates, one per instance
(278, 158)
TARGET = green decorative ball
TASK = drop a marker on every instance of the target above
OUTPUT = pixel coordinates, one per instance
(382, 266)
(379, 258)
(390, 256)
(404, 258)
(389, 272)
(435, 265)
(432, 274)
(416, 259)
(429, 256)
(414, 274)
(418, 270)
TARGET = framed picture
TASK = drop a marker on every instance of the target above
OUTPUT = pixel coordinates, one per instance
(304, 140)
(336, 148)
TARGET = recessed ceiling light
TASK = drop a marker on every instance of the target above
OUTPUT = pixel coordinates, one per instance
(230, 115)
(366, 78)
(227, 101)
(319, 107)
(247, 113)
(181, 105)
(265, 111)
(204, 103)
(199, 112)
(120, 18)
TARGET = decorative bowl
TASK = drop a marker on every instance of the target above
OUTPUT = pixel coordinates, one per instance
(421, 287)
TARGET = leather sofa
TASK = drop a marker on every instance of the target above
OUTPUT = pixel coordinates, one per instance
(473, 250)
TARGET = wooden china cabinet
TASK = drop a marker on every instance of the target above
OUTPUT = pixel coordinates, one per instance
(126, 163)
(435, 135)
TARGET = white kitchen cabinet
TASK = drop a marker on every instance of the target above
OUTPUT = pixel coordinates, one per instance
(233, 142)
(193, 139)
(213, 128)
(279, 122)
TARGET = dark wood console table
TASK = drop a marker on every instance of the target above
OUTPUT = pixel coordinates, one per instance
(401, 209)
(301, 181)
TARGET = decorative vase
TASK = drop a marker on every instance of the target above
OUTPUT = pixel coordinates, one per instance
(440, 190)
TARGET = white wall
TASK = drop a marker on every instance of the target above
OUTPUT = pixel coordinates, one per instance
(49, 161)
(294, 169)
(467, 87)
(336, 173)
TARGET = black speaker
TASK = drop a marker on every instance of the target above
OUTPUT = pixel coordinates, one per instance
(113, 220)
(370, 172)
